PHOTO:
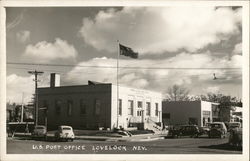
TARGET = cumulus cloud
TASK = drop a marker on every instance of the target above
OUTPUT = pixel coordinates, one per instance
(157, 74)
(21, 86)
(45, 51)
(23, 36)
(152, 30)
(18, 86)
(238, 49)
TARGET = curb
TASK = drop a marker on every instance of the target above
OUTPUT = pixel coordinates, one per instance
(135, 138)
(123, 140)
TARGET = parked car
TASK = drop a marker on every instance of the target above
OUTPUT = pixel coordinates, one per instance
(39, 132)
(64, 133)
(190, 130)
(233, 125)
(235, 137)
(173, 131)
(185, 130)
(217, 129)
(204, 129)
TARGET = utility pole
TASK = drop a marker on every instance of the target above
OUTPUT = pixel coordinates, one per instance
(22, 109)
(36, 73)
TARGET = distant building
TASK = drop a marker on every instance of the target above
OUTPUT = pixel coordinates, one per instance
(236, 114)
(94, 106)
(189, 112)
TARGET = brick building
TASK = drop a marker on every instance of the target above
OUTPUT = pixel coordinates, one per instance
(94, 105)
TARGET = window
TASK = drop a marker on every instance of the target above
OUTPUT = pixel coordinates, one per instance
(139, 108)
(139, 113)
(70, 107)
(130, 107)
(156, 109)
(120, 107)
(45, 106)
(148, 108)
(206, 113)
(58, 105)
(97, 107)
(82, 107)
(139, 104)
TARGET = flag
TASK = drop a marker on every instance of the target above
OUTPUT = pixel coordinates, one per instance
(127, 51)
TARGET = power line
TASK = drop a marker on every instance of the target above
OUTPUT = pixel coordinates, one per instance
(123, 67)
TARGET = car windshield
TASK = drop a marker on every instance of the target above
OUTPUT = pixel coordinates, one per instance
(66, 128)
(234, 125)
(215, 125)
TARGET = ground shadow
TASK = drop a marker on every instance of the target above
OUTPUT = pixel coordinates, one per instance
(225, 146)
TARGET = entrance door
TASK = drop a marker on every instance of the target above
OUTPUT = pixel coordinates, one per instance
(139, 113)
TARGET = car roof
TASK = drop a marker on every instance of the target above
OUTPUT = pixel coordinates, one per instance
(217, 123)
(65, 126)
(187, 125)
(40, 126)
(234, 122)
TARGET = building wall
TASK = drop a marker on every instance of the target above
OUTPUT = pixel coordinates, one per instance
(184, 112)
(130, 94)
(90, 94)
(106, 94)
(206, 112)
(181, 112)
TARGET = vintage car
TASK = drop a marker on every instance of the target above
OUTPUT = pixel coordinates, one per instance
(173, 131)
(64, 133)
(185, 130)
(39, 132)
(206, 128)
(235, 137)
(217, 129)
(190, 130)
(233, 125)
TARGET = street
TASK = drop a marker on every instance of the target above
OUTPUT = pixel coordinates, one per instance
(164, 146)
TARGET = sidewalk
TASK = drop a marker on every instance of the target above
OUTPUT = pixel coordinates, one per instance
(133, 138)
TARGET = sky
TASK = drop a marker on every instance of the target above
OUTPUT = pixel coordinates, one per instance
(176, 45)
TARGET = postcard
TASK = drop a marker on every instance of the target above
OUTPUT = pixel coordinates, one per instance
(124, 80)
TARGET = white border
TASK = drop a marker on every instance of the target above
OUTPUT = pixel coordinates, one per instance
(59, 3)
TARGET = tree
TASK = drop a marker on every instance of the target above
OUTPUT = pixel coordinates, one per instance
(177, 93)
(224, 100)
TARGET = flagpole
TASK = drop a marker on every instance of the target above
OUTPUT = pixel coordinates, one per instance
(117, 77)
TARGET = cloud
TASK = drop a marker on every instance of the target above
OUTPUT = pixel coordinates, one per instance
(238, 49)
(213, 89)
(151, 74)
(23, 36)
(18, 86)
(159, 74)
(45, 51)
(154, 30)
